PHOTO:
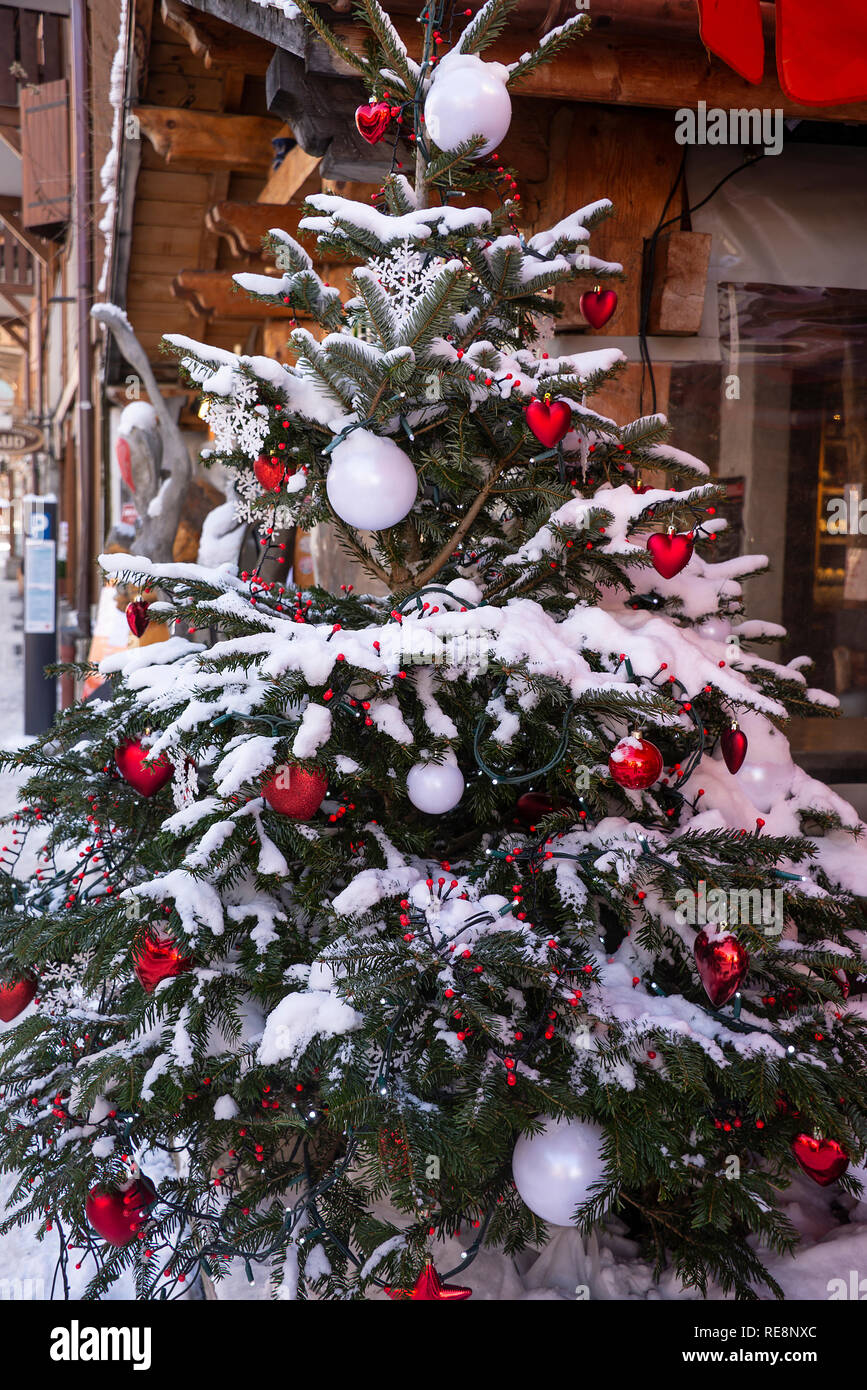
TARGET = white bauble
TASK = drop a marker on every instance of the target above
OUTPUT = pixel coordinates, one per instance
(766, 784)
(371, 483)
(435, 787)
(555, 1170)
(717, 629)
(468, 97)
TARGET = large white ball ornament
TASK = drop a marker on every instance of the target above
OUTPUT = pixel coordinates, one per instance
(718, 629)
(468, 97)
(435, 787)
(766, 784)
(555, 1170)
(371, 483)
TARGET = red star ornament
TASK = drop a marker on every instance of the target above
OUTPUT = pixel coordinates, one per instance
(429, 1288)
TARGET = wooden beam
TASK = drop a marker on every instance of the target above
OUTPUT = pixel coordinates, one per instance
(11, 220)
(208, 139)
(667, 67)
(15, 334)
(216, 43)
(295, 177)
(214, 292)
(243, 225)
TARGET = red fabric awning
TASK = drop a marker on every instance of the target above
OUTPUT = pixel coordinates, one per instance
(821, 49)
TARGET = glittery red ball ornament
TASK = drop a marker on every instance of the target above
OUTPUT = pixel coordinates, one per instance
(295, 793)
(823, 1160)
(270, 472)
(146, 777)
(733, 745)
(118, 1213)
(429, 1288)
(549, 421)
(722, 962)
(15, 998)
(597, 306)
(635, 763)
(158, 959)
(533, 807)
(372, 120)
(670, 552)
(137, 616)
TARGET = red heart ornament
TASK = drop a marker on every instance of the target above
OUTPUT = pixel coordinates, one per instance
(635, 763)
(159, 959)
(137, 616)
(733, 743)
(372, 121)
(823, 1160)
(118, 1213)
(145, 777)
(270, 472)
(295, 793)
(549, 422)
(15, 998)
(670, 552)
(722, 962)
(597, 306)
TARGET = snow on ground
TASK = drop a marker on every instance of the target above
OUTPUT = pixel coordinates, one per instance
(607, 1267)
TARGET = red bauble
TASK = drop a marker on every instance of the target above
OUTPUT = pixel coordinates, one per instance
(296, 793)
(159, 959)
(533, 807)
(15, 998)
(146, 778)
(270, 472)
(429, 1288)
(722, 963)
(635, 763)
(670, 552)
(733, 743)
(549, 421)
(124, 462)
(372, 121)
(597, 306)
(823, 1160)
(137, 616)
(117, 1214)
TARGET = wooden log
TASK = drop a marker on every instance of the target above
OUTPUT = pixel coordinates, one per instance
(679, 283)
(217, 44)
(214, 292)
(209, 139)
(243, 225)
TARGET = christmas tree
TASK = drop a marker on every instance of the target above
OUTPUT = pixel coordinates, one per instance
(487, 898)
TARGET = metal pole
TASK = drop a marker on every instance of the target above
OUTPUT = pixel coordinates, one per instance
(78, 16)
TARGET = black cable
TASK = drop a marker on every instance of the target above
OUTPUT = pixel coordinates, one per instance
(650, 258)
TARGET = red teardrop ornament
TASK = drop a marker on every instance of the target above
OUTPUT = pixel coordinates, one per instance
(15, 998)
(146, 777)
(733, 744)
(597, 306)
(117, 1214)
(372, 121)
(137, 616)
(295, 793)
(823, 1160)
(722, 962)
(533, 807)
(549, 421)
(635, 763)
(159, 959)
(124, 461)
(670, 553)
